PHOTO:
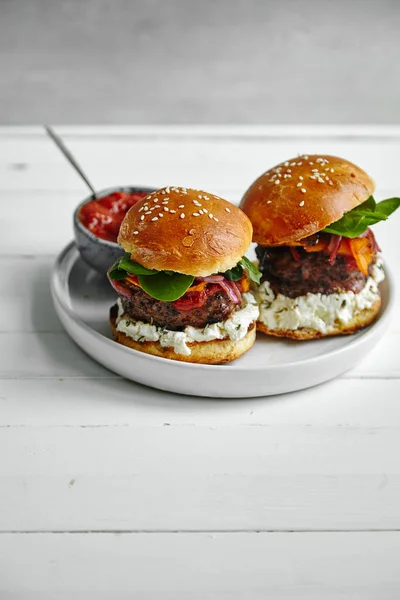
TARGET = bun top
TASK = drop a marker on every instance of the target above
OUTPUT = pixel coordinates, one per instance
(301, 196)
(187, 231)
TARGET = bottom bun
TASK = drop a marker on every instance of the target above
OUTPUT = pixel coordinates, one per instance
(360, 320)
(209, 353)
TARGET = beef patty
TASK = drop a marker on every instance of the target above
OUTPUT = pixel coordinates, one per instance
(142, 307)
(310, 273)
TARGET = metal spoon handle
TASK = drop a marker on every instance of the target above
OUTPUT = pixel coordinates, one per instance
(57, 140)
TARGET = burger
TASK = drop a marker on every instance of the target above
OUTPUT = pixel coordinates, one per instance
(319, 259)
(183, 283)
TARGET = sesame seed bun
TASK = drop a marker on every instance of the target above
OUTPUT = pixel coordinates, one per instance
(187, 231)
(358, 321)
(301, 196)
(210, 353)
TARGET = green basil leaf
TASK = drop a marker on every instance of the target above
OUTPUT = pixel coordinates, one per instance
(388, 206)
(368, 205)
(115, 273)
(251, 269)
(130, 266)
(166, 287)
(234, 274)
(355, 222)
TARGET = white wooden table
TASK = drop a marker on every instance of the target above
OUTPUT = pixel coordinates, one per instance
(110, 490)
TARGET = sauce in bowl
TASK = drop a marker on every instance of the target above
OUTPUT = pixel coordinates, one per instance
(103, 216)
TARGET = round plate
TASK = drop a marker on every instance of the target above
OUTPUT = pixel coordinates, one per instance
(82, 299)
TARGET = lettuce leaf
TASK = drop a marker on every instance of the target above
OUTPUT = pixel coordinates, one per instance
(355, 222)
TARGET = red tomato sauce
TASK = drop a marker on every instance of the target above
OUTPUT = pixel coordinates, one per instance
(103, 216)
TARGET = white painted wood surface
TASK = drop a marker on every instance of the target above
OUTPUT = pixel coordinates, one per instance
(185, 481)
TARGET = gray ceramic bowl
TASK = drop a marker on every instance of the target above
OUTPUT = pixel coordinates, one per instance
(98, 253)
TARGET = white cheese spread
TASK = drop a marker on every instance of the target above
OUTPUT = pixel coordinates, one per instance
(317, 311)
(234, 328)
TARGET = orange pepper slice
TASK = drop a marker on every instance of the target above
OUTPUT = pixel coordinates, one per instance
(361, 250)
(197, 288)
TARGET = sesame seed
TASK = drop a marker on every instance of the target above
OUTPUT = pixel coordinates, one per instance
(166, 208)
(312, 177)
(182, 215)
(305, 156)
(332, 170)
(155, 219)
(314, 170)
(205, 210)
(326, 178)
(163, 191)
(289, 170)
(299, 184)
(311, 163)
(181, 206)
(135, 233)
(207, 198)
(210, 215)
(331, 183)
(273, 177)
(269, 201)
(167, 189)
(155, 200)
(215, 219)
(277, 182)
(156, 206)
(195, 214)
(165, 202)
(286, 164)
(293, 164)
(320, 180)
(161, 214)
(148, 212)
(201, 212)
(301, 203)
(299, 164)
(172, 211)
(142, 218)
(196, 203)
(303, 190)
(227, 209)
(140, 209)
(200, 196)
(301, 177)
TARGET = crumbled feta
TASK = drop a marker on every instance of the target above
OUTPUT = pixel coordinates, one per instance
(317, 311)
(234, 328)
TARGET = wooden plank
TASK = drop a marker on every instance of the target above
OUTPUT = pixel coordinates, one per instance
(196, 566)
(258, 131)
(199, 478)
(35, 164)
(118, 402)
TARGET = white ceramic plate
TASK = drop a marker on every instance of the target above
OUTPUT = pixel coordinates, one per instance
(82, 299)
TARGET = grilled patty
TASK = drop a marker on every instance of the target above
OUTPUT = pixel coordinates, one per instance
(311, 273)
(142, 307)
